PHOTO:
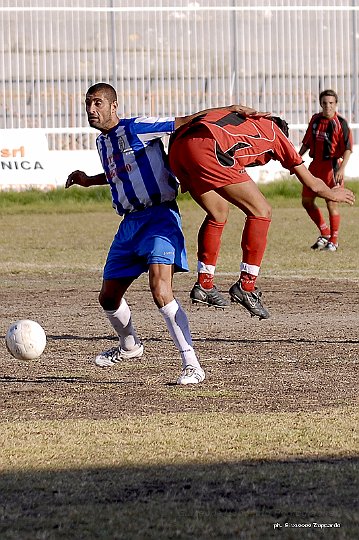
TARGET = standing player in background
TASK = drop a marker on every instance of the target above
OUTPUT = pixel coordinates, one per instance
(329, 141)
(209, 156)
(150, 235)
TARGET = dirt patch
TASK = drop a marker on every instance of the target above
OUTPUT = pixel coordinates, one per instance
(304, 358)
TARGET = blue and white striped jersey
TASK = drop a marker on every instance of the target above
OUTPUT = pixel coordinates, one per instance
(136, 165)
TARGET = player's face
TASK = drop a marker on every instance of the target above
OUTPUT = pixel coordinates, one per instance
(329, 106)
(101, 113)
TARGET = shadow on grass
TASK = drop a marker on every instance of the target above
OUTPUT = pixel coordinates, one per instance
(249, 500)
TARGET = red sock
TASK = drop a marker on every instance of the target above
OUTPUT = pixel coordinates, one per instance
(248, 281)
(316, 215)
(205, 280)
(334, 228)
(209, 243)
(254, 241)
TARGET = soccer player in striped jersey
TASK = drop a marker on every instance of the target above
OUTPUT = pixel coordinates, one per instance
(329, 141)
(210, 156)
(150, 235)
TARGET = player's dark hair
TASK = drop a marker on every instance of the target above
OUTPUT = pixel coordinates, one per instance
(107, 89)
(330, 93)
(281, 123)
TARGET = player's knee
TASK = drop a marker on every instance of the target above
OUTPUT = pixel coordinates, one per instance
(220, 214)
(104, 301)
(265, 210)
(268, 212)
(161, 294)
(108, 303)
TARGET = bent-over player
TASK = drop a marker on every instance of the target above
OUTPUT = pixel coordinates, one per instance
(209, 157)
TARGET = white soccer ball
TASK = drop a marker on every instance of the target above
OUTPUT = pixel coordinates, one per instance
(25, 340)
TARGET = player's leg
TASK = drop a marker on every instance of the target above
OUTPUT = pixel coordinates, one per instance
(319, 169)
(316, 215)
(121, 269)
(208, 246)
(160, 279)
(117, 311)
(166, 252)
(333, 207)
(247, 196)
(334, 220)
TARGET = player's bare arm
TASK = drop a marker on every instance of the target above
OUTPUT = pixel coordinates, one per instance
(339, 176)
(80, 178)
(248, 111)
(241, 109)
(336, 194)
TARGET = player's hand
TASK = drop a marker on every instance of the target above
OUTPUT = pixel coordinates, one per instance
(77, 177)
(339, 177)
(248, 111)
(344, 195)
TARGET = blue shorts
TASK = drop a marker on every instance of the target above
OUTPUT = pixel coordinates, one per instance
(145, 237)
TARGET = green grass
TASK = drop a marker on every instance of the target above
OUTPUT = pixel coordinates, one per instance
(77, 199)
(77, 239)
(59, 200)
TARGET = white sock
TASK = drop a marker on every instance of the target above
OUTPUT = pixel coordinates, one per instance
(177, 324)
(122, 323)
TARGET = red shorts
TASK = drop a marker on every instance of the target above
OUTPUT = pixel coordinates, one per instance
(194, 160)
(323, 169)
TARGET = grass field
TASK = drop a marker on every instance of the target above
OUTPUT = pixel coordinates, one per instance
(266, 446)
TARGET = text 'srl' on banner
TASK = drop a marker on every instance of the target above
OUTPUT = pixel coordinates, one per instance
(24, 160)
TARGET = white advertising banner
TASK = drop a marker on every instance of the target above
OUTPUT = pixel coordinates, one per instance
(24, 160)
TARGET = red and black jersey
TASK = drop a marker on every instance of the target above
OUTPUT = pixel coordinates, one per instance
(245, 140)
(327, 138)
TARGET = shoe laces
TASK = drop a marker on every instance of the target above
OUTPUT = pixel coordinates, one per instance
(257, 293)
(191, 371)
(188, 371)
(110, 353)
